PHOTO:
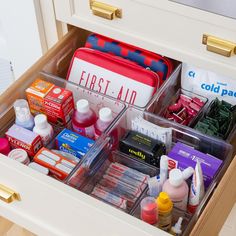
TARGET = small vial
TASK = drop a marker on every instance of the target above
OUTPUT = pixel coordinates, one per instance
(149, 211)
(43, 128)
(23, 116)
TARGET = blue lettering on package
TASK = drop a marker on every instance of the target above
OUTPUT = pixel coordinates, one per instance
(191, 74)
(217, 89)
(73, 143)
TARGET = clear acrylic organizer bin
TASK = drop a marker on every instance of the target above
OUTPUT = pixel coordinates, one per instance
(169, 94)
(91, 169)
(95, 100)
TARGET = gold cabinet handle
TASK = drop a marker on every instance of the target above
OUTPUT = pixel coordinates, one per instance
(8, 195)
(219, 46)
(104, 10)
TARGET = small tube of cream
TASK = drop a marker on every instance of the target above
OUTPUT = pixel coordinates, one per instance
(197, 190)
(163, 169)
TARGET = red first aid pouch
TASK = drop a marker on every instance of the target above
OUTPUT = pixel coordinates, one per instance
(113, 76)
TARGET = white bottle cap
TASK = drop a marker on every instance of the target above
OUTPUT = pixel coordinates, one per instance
(19, 155)
(105, 114)
(39, 168)
(41, 121)
(22, 111)
(188, 172)
(82, 106)
(176, 177)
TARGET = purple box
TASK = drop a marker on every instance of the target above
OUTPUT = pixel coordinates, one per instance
(182, 156)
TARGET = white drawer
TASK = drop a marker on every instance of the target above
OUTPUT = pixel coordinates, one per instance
(49, 207)
(165, 27)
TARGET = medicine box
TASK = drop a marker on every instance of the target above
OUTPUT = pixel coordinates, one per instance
(36, 93)
(59, 106)
(20, 137)
(73, 143)
(57, 164)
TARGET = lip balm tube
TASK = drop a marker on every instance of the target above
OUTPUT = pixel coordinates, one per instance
(110, 198)
(129, 172)
(126, 179)
(110, 181)
(130, 198)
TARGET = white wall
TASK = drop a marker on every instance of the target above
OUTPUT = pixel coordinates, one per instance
(20, 31)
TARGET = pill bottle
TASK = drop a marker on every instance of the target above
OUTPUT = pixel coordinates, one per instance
(149, 211)
(104, 120)
(19, 155)
(83, 119)
(165, 207)
(23, 116)
(43, 128)
(4, 146)
(177, 189)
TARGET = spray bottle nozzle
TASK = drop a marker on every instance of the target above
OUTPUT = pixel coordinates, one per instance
(177, 227)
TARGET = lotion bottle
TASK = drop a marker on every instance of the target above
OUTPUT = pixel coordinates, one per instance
(177, 188)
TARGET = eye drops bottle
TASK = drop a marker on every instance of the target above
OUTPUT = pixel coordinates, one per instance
(43, 128)
(177, 189)
(23, 115)
(83, 119)
(165, 207)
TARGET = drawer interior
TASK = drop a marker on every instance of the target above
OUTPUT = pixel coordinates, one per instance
(99, 164)
(105, 151)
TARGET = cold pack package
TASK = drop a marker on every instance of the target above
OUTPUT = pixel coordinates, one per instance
(73, 143)
(161, 65)
(182, 156)
(208, 84)
(113, 76)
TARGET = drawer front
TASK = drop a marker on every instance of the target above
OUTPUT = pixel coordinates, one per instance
(166, 27)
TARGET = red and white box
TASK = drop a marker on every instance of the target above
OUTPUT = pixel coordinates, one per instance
(20, 137)
(57, 164)
(59, 106)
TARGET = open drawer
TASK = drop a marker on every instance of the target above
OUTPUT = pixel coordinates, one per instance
(49, 207)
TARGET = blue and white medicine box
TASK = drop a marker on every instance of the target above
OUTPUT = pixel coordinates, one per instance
(73, 143)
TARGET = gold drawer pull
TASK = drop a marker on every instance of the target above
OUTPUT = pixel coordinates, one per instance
(219, 46)
(8, 195)
(104, 10)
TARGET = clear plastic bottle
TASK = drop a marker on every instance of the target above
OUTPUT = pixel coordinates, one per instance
(177, 188)
(43, 128)
(149, 211)
(104, 120)
(23, 116)
(83, 119)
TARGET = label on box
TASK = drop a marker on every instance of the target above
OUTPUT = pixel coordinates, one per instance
(208, 84)
(59, 106)
(73, 143)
